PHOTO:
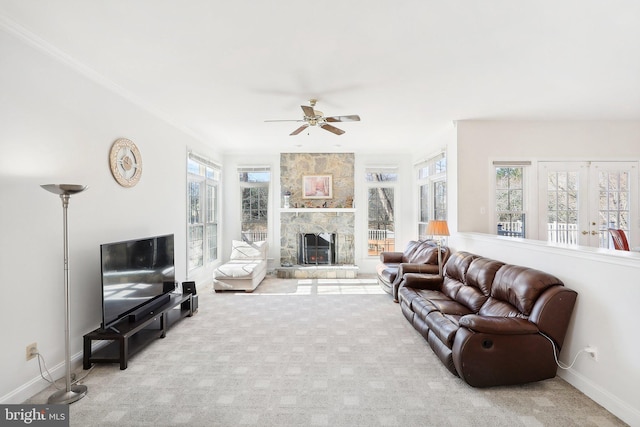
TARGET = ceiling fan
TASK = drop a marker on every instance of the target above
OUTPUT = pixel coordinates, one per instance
(314, 117)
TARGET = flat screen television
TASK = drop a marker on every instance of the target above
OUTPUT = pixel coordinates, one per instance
(135, 273)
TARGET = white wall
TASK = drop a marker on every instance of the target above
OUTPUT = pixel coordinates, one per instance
(608, 296)
(57, 127)
(479, 143)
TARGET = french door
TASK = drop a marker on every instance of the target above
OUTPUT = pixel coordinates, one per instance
(580, 201)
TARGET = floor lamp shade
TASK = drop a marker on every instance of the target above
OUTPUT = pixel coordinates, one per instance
(438, 228)
(70, 393)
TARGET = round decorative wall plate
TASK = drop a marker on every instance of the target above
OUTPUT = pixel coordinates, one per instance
(125, 162)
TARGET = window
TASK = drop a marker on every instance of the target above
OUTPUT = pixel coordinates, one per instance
(583, 199)
(254, 188)
(509, 200)
(432, 185)
(381, 205)
(203, 181)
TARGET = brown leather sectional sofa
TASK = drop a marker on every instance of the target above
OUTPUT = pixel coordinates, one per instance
(489, 322)
(420, 256)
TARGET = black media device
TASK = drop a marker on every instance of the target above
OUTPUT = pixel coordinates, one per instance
(189, 288)
(137, 277)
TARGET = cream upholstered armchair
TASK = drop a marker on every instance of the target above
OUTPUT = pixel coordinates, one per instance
(245, 269)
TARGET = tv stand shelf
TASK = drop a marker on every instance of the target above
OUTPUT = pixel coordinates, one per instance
(127, 337)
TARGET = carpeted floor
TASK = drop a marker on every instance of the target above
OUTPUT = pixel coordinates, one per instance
(309, 353)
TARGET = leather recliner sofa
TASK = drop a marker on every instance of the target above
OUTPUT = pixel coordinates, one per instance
(419, 256)
(490, 323)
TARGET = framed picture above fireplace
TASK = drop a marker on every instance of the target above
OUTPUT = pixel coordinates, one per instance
(317, 187)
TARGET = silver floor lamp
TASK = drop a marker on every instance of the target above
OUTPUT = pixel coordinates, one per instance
(76, 392)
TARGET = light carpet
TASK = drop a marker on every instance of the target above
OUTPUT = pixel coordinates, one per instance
(314, 352)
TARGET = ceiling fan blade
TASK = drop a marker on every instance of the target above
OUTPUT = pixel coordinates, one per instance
(332, 129)
(352, 118)
(284, 121)
(300, 129)
(308, 111)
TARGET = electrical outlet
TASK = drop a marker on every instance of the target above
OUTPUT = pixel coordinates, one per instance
(32, 351)
(592, 351)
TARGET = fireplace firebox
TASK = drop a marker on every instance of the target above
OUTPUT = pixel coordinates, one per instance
(317, 248)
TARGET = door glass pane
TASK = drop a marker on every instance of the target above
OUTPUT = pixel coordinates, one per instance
(195, 228)
(196, 256)
(613, 202)
(212, 222)
(509, 199)
(381, 228)
(440, 200)
(562, 202)
(424, 203)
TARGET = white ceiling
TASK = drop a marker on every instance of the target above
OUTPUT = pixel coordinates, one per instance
(409, 68)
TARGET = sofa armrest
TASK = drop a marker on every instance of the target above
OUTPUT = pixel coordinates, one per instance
(498, 325)
(391, 257)
(422, 281)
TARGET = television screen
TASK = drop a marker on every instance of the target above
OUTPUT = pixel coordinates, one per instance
(134, 273)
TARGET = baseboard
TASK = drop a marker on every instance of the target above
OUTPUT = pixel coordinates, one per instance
(38, 384)
(610, 402)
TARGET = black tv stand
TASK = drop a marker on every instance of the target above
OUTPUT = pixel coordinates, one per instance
(129, 337)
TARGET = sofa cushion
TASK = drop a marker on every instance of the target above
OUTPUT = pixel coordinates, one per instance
(495, 307)
(425, 253)
(447, 306)
(408, 251)
(481, 273)
(477, 286)
(239, 269)
(444, 327)
(458, 264)
(521, 286)
(422, 306)
(241, 250)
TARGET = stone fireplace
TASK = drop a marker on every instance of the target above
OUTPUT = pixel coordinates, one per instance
(317, 222)
(333, 216)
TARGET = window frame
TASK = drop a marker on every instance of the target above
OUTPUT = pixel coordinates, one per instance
(392, 171)
(524, 191)
(208, 177)
(267, 200)
(430, 173)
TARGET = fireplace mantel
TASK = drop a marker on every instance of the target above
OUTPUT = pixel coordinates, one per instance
(319, 210)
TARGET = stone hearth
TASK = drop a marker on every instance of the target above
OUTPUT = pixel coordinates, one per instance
(318, 272)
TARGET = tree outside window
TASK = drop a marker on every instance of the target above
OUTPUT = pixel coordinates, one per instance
(380, 209)
(254, 188)
(510, 214)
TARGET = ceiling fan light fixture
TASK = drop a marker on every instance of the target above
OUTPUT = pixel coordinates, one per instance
(314, 117)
